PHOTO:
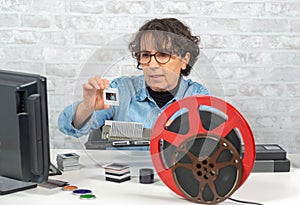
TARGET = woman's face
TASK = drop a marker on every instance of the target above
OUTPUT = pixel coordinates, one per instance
(161, 76)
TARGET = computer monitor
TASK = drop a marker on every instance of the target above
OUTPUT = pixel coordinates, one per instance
(24, 131)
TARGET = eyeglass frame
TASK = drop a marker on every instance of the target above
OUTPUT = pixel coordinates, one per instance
(154, 55)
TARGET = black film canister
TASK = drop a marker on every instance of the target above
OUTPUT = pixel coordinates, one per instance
(146, 176)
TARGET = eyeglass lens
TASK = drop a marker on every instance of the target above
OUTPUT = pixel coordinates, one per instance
(160, 57)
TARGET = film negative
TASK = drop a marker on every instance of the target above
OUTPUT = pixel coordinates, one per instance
(195, 147)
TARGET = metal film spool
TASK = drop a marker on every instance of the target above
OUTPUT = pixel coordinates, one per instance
(207, 169)
(193, 128)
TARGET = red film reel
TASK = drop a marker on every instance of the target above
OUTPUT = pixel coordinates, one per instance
(195, 147)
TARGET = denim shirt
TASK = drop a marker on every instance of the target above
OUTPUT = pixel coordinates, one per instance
(136, 105)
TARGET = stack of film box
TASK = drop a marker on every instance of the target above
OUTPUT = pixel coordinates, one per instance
(270, 158)
(68, 161)
(116, 172)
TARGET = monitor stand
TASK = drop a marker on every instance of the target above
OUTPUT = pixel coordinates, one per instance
(53, 170)
(8, 185)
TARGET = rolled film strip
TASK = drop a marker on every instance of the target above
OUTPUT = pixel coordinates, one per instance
(195, 147)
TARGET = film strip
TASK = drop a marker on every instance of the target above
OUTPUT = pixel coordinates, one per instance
(197, 153)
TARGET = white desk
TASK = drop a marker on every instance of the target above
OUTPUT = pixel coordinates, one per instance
(266, 188)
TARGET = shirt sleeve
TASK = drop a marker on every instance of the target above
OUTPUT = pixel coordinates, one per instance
(196, 88)
(66, 117)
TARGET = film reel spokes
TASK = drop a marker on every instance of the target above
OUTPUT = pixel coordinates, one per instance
(213, 174)
(212, 120)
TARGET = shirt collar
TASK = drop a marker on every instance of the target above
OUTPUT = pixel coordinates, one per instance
(142, 92)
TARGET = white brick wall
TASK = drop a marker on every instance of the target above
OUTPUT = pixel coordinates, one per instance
(250, 52)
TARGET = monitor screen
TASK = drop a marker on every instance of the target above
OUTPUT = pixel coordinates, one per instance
(24, 131)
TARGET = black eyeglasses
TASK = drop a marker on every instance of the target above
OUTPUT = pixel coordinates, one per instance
(144, 57)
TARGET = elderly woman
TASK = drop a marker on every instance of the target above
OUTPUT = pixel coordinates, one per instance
(165, 51)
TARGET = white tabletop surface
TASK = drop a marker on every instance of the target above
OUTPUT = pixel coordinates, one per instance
(265, 188)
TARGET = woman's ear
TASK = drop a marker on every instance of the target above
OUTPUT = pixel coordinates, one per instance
(185, 60)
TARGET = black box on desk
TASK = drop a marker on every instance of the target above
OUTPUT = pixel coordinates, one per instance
(268, 152)
(278, 165)
(270, 158)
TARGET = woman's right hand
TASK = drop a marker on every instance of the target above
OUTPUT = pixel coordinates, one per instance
(92, 100)
(93, 93)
